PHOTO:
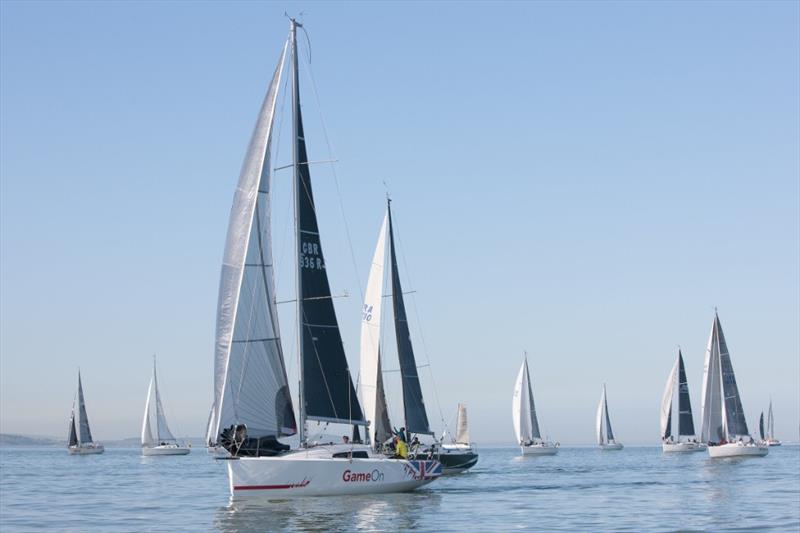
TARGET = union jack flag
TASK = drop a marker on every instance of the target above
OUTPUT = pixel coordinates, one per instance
(424, 469)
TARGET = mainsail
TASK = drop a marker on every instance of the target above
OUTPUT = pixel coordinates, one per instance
(462, 429)
(761, 425)
(372, 393)
(84, 433)
(413, 404)
(250, 384)
(770, 423)
(676, 383)
(327, 392)
(686, 421)
(526, 425)
(154, 425)
(604, 431)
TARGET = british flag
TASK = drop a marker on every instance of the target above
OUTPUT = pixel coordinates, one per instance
(427, 469)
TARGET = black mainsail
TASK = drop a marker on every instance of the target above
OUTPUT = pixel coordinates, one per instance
(327, 392)
(73, 436)
(685, 420)
(413, 404)
(733, 420)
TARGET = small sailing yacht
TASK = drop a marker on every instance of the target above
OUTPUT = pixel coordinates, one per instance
(252, 403)
(605, 436)
(523, 412)
(771, 440)
(684, 440)
(79, 440)
(454, 458)
(723, 423)
(157, 439)
(460, 455)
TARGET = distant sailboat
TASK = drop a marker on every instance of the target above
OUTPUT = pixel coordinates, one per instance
(252, 403)
(79, 440)
(761, 435)
(523, 412)
(723, 423)
(771, 440)
(157, 439)
(684, 439)
(459, 455)
(605, 436)
(454, 458)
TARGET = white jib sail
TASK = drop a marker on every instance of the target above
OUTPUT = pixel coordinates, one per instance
(600, 417)
(711, 401)
(667, 401)
(462, 431)
(147, 431)
(371, 334)
(250, 385)
(521, 407)
(154, 426)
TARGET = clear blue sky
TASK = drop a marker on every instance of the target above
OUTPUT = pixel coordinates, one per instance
(586, 181)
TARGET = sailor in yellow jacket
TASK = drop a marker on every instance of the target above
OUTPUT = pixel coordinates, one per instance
(401, 448)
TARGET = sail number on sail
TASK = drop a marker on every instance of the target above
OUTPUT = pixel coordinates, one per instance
(307, 259)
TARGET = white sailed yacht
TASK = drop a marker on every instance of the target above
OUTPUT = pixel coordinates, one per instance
(684, 439)
(605, 436)
(252, 403)
(79, 440)
(770, 436)
(157, 439)
(455, 457)
(723, 423)
(461, 454)
(523, 412)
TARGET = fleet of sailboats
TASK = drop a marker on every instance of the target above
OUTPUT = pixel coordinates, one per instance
(723, 422)
(605, 435)
(677, 424)
(526, 423)
(79, 435)
(157, 439)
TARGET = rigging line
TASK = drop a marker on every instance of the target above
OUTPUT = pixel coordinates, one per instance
(419, 326)
(288, 205)
(310, 74)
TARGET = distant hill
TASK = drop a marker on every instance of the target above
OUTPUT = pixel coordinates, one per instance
(8, 439)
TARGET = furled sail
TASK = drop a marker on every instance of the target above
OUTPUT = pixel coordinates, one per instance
(685, 419)
(328, 392)
(462, 430)
(154, 425)
(414, 405)
(371, 378)
(250, 384)
(84, 433)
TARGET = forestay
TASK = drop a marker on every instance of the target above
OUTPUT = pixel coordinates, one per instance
(250, 384)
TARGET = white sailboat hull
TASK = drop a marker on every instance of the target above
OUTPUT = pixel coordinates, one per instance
(539, 449)
(166, 450)
(300, 474)
(738, 449)
(682, 447)
(773, 442)
(86, 450)
(611, 446)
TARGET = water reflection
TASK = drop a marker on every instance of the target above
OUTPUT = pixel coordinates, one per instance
(394, 512)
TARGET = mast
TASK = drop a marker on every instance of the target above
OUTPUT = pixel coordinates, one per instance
(296, 171)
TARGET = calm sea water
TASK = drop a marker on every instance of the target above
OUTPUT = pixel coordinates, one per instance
(579, 489)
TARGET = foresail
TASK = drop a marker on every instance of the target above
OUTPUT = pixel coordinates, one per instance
(520, 408)
(599, 418)
(711, 401)
(162, 430)
(250, 384)
(72, 437)
(666, 402)
(770, 423)
(147, 430)
(371, 335)
(761, 426)
(383, 427)
(462, 428)
(413, 404)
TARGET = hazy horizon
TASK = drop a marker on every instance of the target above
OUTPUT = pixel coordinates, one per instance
(584, 181)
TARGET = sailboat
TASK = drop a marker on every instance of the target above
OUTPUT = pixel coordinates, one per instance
(459, 455)
(157, 439)
(605, 436)
(684, 440)
(771, 440)
(723, 423)
(453, 458)
(523, 412)
(79, 439)
(252, 404)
